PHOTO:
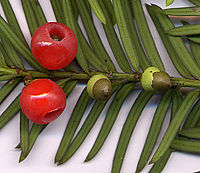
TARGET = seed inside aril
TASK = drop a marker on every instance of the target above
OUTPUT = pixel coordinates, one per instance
(56, 37)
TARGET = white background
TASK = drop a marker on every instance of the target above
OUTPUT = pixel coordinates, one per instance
(42, 155)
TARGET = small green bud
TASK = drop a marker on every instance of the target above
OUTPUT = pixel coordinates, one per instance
(99, 87)
(155, 80)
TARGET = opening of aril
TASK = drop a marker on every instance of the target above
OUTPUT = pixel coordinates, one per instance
(56, 33)
(51, 115)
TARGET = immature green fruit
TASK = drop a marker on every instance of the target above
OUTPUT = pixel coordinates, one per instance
(99, 87)
(155, 80)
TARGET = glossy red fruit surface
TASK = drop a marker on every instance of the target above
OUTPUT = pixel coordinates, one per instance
(42, 101)
(54, 45)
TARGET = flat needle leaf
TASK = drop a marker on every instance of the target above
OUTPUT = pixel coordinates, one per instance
(125, 34)
(73, 123)
(128, 128)
(110, 119)
(155, 128)
(145, 35)
(175, 124)
(24, 133)
(85, 129)
(97, 10)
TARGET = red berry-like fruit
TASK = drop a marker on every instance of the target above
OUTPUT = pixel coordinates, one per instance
(42, 101)
(54, 45)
